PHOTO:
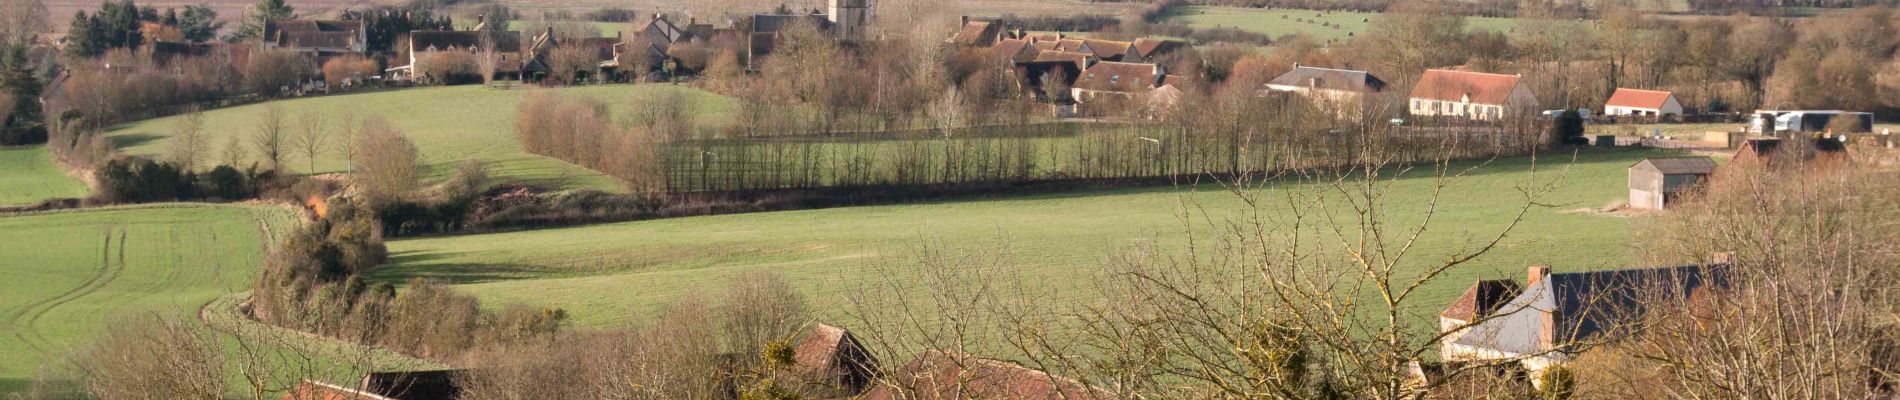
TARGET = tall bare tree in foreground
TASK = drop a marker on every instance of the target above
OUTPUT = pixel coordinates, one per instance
(310, 139)
(272, 138)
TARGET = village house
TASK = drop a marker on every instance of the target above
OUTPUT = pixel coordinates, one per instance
(1642, 103)
(322, 37)
(1656, 182)
(1119, 79)
(1554, 317)
(506, 46)
(941, 374)
(1470, 95)
(1342, 92)
(847, 20)
(1112, 50)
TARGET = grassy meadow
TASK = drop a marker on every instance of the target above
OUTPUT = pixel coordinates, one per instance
(612, 274)
(73, 273)
(1313, 24)
(448, 124)
(28, 175)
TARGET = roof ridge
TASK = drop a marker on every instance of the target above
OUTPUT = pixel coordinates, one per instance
(1475, 72)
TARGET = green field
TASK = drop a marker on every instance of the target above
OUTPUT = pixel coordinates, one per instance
(612, 274)
(1314, 24)
(28, 175)
(448, 124)
(74, 272)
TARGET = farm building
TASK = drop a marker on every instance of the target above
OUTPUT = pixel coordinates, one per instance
(1149, 50)
(1642, 103)
(415, 385)
(1542, 324)
(832, 362)
(978, 33)
(1106, 85)
(1775, 153)
(1472, 95)
(1341, 91)
(1655, 182)
(941, 374)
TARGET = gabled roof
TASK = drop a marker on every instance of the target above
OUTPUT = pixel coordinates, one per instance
(1482, 88)
(1075, 45)
(1330, 79)
(1585, 305)
(1638, 98)
(272, 28)
(462, 40)
(1482, 299)
(316, 39)
(1678, 165)
(1081, 60)
(1110, 48)
(1148, 49)
(1009, 49)
(1044, 37)
(977, 33)
(940, 374)
(1045, 45)
(662, 28)
(313, 390)
(1109, 76)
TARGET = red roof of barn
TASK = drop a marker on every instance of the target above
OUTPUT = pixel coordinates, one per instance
(1638, 98)
(939, 374)
(1482, 88)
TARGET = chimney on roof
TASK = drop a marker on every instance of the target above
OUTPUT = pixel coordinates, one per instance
(965, 20)
(1296, 65)
(1536, 274)
(1722, 258)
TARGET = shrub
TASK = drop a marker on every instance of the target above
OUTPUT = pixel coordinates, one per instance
(386, 161)
(448, 68)
(275, 73)
(348, 70)
(225, 182)
(141, 180)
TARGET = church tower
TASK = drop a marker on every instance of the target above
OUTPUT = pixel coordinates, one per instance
(849, 18)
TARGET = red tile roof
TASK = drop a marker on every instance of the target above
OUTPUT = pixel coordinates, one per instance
(1081, 60)
(977, 33)
(1108, 49)
(1638, 98)
(939, 374)
(1448, 85)
(1149, 48)
(1122, 77)
(1481, 299)
(1010, 49)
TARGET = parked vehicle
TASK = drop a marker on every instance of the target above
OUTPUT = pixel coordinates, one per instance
(1820, 121)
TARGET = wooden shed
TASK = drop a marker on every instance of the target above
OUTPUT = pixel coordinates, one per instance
(1655, 182)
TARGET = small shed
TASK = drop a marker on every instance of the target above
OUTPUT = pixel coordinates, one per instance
(1655, 182)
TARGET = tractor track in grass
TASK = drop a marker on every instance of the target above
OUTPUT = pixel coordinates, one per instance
(25, 323)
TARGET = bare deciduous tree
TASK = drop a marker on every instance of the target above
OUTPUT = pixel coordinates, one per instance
(272, 138)
(310, 139)
(21, 20)
(188, 142)
(153, 357)
(386, 162)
